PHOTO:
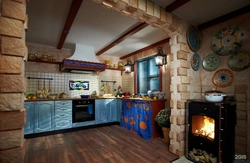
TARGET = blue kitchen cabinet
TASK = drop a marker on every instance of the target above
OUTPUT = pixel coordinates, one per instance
(113, 111)
(101, 111)
(30, 117)
(106, 111)
(119, 109)
(44, 116)
(63, 114)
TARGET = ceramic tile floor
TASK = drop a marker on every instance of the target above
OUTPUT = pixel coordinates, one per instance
(183, 159)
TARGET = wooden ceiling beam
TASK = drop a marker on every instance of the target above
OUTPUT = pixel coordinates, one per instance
(76, 4)
(123, 37)
(176, 4)
(224, 17)
(146, 48)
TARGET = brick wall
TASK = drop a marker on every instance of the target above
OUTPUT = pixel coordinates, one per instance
(12, 81)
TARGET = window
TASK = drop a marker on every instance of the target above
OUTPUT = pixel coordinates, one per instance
(148, 77)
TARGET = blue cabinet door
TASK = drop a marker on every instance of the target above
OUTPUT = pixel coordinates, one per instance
(112, 104)
(63, 114)
(30, 112)
(101, 112)
(119, 109)
(44, 116)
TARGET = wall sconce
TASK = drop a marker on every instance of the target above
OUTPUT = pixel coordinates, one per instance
(160, 58)
(129, 67)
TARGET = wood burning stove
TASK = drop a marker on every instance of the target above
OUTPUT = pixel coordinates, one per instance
(210, 130)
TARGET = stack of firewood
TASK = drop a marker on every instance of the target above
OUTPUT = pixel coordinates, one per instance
(202, 156)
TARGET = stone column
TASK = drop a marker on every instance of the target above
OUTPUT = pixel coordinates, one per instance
(12, 81)
(180, 91)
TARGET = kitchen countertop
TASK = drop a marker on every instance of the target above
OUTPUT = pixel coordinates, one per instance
(58, 99)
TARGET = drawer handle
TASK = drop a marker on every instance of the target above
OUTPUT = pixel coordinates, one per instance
(62, 115)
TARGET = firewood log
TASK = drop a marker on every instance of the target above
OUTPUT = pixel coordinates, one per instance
(194, 151)
(213, 159)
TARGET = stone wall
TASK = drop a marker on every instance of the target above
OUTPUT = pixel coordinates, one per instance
(240, 86)
(12, 81)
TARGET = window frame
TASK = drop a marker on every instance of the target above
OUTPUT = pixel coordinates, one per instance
(136, 80)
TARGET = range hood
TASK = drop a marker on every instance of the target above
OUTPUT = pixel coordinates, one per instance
(82, 61)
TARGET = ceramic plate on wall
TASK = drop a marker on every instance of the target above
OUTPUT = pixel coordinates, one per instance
(193, 39)
(239, 61)
(211, 62)
(223, 78)
(196, 61)
(228, 40)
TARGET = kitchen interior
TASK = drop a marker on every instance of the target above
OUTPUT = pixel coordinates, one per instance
(76, 57)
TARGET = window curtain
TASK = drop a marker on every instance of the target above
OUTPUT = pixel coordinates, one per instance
(137, 117)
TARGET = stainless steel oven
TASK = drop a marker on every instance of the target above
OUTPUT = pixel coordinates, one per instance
(83, 110)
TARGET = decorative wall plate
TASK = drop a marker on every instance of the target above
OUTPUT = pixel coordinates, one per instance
(196, 61)
(239, 61)
(193, 38)
(211, 62)
(228, 40)
(223, 78)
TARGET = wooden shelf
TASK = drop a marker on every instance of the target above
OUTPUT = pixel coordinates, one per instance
(119, 69)
(38, 61)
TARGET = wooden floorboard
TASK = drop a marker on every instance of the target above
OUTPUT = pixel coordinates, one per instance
(108, 144)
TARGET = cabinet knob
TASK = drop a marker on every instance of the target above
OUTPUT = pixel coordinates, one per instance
(205, 108)
(201, 143)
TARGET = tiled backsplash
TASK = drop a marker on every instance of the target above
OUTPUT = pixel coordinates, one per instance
(60, 83)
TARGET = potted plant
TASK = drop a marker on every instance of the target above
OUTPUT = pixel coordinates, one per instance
(163, 120)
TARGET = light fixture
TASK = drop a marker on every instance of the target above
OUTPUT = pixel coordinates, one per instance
(129, 67)
(160, 58)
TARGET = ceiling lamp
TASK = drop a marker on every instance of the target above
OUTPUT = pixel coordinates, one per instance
(129, 67)
(160, 58)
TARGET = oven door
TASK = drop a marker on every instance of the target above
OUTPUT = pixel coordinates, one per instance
(83, 112)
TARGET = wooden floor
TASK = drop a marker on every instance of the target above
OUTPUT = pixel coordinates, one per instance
(108, 144)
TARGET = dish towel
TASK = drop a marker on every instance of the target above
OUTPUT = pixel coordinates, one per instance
(90, 109)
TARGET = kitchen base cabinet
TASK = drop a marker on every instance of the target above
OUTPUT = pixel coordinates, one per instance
(138, 116)
(119, 109)
(30, 117)
(44, 116)
(63, 114)
(106, 111)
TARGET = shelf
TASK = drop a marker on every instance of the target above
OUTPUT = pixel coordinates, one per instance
(119, 69)
(38, 61)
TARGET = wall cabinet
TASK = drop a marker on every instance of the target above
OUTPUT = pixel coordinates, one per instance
(44, 116)
(30, 117)
(106, 111)
(63, 114)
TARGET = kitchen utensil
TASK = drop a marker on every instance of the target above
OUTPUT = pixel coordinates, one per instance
(214, 96)
(52, 96)
(84, 96)
(196, 61)
(194, 39)
(211, 62)
(49, 87)
(223, 78)
(38, 85)
(228, 40)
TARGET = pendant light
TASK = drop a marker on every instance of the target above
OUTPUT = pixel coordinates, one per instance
(160, 58)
